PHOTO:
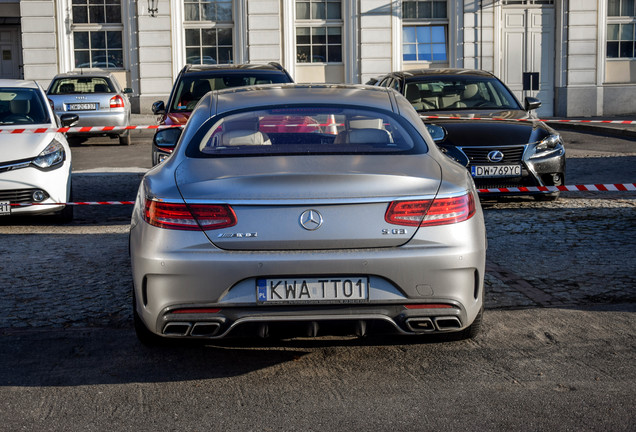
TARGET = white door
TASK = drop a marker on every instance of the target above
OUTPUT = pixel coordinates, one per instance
(528, 47)
(10, 53)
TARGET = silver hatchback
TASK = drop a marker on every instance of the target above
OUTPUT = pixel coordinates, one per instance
(306, 210)
(98, 100)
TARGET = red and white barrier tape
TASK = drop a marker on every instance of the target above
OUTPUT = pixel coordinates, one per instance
(434, 117)
(625, 187)
(83, 129)
(93, 129)
(79, 203)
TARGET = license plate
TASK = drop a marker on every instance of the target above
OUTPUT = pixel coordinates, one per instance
(312, 290)
(496, 170)
(5, 208)
(82, 107)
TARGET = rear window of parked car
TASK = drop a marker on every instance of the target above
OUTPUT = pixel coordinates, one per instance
(305, 130)
(81, 85)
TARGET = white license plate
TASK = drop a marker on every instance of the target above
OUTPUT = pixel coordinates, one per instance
(5, 208)
(496, 170)
(82, 107)
(312, 290)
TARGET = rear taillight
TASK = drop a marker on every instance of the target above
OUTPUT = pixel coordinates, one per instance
(117, 102)
(440, 211)
(189, 217)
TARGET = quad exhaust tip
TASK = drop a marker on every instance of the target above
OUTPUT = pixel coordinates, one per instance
(425, 324)
(197, 329)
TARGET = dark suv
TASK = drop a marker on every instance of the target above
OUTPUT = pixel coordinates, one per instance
(194, 81)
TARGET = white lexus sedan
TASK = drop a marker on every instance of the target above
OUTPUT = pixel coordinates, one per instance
(35, 159)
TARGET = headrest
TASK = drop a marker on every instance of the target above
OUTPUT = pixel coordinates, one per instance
(470, 91)
(201, 87)
(369, 136)
(244, 137)
(413, 93)
(20, 106)
(101, 88)
(67, 88)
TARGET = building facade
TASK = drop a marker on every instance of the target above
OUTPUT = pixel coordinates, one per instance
(577, 56)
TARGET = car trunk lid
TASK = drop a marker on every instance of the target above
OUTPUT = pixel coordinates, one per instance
(285, 203)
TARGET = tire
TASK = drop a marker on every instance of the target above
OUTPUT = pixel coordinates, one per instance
(124, 139)
(66, 214)
(475, 328)
(469, 332)
(547, 197)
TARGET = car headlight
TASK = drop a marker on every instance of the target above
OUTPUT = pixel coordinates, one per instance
(51, 156)
(549, 144)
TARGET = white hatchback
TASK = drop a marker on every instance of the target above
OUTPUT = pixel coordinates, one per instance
(35, 158)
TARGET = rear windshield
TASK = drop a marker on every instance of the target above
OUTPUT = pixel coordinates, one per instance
(305, 130)
(22, 106)
(81, 85)
(192, 88)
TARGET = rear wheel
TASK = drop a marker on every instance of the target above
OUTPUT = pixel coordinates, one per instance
(469, 332)
(124, 139)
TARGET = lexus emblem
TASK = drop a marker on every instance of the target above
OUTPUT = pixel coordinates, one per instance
(311, 220)
(495, 156)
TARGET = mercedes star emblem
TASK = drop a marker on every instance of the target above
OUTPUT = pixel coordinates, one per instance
(311, 220)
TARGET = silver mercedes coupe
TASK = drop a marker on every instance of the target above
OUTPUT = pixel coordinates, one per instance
(306, 210)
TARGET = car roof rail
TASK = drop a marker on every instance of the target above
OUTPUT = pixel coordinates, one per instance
(277, 65)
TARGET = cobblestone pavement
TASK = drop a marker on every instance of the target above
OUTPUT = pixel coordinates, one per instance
(577, 252)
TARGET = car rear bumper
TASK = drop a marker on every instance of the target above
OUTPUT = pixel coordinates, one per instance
(96, 119)
(177, 270)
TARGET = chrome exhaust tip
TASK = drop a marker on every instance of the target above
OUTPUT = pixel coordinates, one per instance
(177, 329)
(448, 323)
(419, 325)
(205, 329)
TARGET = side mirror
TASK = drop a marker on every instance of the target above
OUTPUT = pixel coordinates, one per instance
(159, 107)
(438, 133)
(532, 103)
(69, 120)
(127, 90)
(167, 138)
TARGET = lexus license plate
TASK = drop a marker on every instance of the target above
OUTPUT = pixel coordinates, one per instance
(496, 170)
(5, 208)
(312, 290)
(82, 107)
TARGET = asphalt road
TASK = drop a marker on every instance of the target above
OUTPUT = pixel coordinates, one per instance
(558, 351)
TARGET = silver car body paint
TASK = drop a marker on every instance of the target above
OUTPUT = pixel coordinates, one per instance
(175, 270)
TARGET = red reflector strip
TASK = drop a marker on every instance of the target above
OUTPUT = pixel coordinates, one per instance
(196, 311)
(429, 306)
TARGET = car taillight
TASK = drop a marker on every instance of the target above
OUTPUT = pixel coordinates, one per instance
(117, 102)
(189, 217)
(440, 211)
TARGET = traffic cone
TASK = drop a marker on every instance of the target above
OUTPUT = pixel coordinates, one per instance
(332, 127)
